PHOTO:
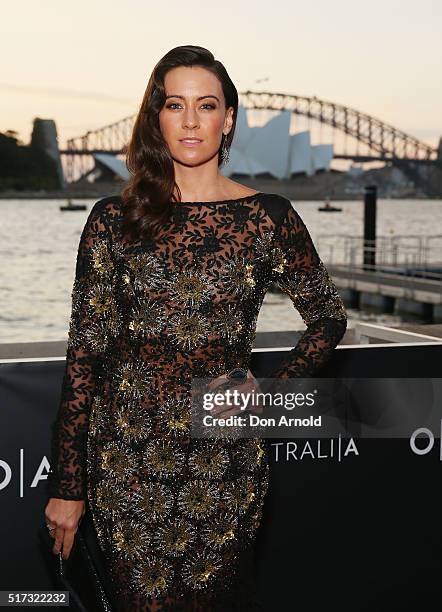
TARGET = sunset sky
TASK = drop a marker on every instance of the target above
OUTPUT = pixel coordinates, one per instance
(86, 64)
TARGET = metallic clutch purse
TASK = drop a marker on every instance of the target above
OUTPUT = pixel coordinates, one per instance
(83, 574)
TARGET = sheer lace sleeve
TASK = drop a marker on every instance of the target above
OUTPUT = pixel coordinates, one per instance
(92, 323)
(299, 272)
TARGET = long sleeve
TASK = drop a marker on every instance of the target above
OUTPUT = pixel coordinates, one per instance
(299, 272)
(93, 321)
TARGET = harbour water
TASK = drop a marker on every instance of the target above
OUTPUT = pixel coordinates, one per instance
(38, 246)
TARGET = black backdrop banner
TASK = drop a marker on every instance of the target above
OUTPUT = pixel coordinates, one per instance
(355, 530)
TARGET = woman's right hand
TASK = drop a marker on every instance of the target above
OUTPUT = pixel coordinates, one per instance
(65, 516)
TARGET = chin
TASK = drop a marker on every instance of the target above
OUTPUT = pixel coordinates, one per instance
(192, 163)
(193, 160)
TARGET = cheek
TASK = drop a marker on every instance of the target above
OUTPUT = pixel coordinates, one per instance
(214, 124)
(167, 124)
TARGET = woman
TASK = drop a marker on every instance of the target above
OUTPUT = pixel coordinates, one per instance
(169, 282)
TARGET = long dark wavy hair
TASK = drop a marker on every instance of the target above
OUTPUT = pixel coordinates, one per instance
(148, 196)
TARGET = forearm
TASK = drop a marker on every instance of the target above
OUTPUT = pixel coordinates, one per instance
(68, 477)
(313, 349)
(94, 323)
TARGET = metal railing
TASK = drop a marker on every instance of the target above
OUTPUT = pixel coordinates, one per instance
(370, 333)
(414, 255)
(361, 333)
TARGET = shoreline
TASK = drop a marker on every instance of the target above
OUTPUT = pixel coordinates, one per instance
(91, 196)
(288, 192)
(332, 186)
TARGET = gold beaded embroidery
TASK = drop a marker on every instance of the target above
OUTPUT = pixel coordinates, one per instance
(190, 287)
(130, 539)
(174, 417)
(174, 537)
(146, 317)
(238, 277)
(116, 463)
(172, 512)
(152, 500)
(153, 576)
(197, 499)
(314, 295)
(133, 422)
(189, 329)
(133, 380)
(162, 457)
(208, 461)
(199, 570)
(217, 533)
(229, 322)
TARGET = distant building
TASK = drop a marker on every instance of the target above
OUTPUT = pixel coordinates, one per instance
(36, 166)
(44, 137)
(268, 150)
(108, 168)
(271, 149)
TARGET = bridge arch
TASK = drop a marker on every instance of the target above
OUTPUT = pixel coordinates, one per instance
(384, 141)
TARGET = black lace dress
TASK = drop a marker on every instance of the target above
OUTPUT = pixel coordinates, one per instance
(175, 515)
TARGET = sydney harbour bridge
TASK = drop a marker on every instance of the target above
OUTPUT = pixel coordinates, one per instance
(379, 140)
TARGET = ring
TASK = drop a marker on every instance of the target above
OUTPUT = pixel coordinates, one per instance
(237, 374)
(49, 527)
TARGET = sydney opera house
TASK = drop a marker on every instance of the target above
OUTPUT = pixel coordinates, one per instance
(267, 151)
(271, 149)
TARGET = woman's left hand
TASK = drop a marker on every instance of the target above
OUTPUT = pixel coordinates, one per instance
(250, 385)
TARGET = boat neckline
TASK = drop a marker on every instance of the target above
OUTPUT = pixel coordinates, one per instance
(251, 195)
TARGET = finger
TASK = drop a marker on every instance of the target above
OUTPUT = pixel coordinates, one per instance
(222, 378)
(216, 382)
(244, 388)
(59, 535)
(229, 412)
(50, 526)
(220, 409)
(68, 541)
(230, 385)
(239, 408)
(216, 411)
(236, 403)
(212, 384)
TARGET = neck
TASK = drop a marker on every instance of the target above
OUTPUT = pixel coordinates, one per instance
(204, 182)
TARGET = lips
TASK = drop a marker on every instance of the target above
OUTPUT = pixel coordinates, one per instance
(190, 142)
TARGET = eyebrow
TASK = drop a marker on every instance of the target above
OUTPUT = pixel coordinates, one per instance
(200, 98)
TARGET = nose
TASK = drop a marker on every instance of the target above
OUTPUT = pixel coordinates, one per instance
(190, 119)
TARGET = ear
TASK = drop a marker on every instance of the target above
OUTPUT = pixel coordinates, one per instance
(228, 121)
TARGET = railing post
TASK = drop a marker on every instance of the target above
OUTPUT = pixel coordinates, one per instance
(370, 198)
(395, 259)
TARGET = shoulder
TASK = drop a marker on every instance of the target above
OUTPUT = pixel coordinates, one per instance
(107, 206)
(105, 212)
(276, 206)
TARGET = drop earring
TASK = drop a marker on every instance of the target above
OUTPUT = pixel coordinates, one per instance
(225, 153)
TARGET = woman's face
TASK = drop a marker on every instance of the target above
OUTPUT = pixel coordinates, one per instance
(194, 108)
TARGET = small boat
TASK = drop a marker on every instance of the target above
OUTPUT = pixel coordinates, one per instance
(71, 206)
(329, 208)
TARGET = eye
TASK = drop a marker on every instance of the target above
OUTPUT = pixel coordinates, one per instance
(177, 104)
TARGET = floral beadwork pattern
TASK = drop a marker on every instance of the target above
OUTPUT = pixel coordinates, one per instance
(299, 272)
(176, 516)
